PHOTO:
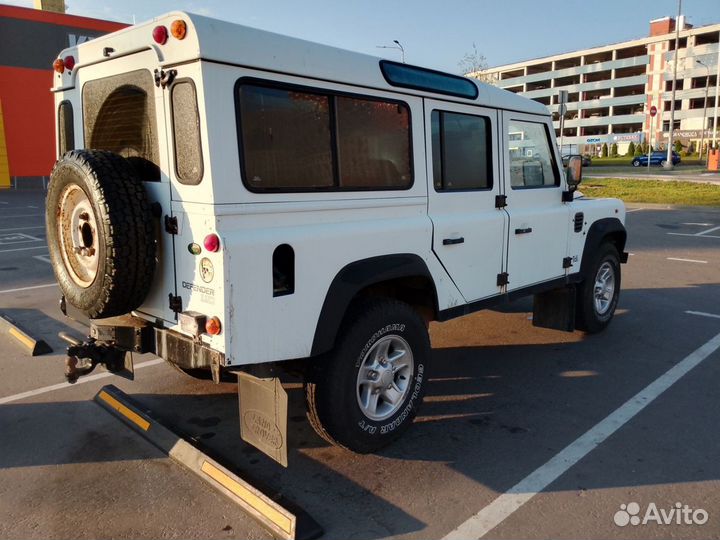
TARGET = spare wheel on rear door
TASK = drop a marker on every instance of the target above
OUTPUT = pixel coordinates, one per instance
(100, 233)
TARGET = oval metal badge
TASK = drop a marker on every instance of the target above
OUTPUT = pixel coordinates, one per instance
(207, 272)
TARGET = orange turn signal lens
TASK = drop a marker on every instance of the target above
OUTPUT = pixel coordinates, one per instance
(212, 326)
(59, 65)
(178, 29)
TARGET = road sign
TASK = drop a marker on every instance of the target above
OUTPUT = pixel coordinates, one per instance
(653, 110)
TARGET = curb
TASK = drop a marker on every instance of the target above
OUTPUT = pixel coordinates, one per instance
(268, 511)
(34, 346)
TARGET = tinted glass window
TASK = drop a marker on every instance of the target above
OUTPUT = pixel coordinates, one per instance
(373, 143)
(531, 162)
(119, 114)
(419, 78)
(293, 140)
(286, 138)
(186, 133)
(66, 130)
(461, 151)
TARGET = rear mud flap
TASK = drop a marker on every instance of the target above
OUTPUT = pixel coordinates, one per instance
(555, 309)
(263, 415)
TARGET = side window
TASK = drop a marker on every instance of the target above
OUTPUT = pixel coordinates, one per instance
(298, 140)
(532, 164)
(66, 129)
(119, 114)
(186, 133)
(461, 151)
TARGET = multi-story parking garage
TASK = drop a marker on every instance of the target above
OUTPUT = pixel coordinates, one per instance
(611, 88)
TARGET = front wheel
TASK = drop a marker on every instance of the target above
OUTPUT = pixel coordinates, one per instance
(367, 391)
(597, 295)
(636, 163)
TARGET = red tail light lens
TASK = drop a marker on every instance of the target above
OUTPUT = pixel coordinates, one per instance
(160, 35)
(59, 65)
(69, 62)
(212, 326)
(212, 242)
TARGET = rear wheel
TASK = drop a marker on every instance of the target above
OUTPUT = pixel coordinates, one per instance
(663, 162)
(367, 391)
(636, 163)
(597, 295)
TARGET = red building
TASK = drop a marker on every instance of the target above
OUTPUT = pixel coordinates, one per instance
(30, 40)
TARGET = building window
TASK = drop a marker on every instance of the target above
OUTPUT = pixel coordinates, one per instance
(666, 125)
(293, 139)
(186, 133)
(532, 164)
(461, 151)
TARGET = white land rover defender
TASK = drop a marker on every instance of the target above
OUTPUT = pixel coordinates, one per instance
(235, 201)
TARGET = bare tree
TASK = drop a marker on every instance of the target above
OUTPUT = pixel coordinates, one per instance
(474, 64)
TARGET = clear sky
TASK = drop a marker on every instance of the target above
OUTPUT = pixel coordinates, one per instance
(434, 33)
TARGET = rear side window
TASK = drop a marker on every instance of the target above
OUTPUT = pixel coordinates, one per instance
(294, 139)
(532, 164)
(186, 133)
(461, 149)
(66, 130)
(119, 116)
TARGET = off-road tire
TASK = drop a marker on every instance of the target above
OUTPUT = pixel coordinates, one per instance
(126, 244)
(587, 317)
(331, 383)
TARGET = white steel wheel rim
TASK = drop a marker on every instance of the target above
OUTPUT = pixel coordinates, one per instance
(385, 377)
(604, 290)
(78, 234)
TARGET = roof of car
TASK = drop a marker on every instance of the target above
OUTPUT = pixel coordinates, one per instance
(231, 43)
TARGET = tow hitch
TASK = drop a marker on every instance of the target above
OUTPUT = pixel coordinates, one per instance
(84, 356)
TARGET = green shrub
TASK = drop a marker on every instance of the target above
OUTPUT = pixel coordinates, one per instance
(604, 150)
(631, 149)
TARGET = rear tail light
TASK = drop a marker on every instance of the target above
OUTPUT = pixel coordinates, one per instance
(178, 29)
(212, 326)
(69, 62)
(160, 34)
(212, 242)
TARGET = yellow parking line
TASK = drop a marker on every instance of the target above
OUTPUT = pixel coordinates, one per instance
(22, 337)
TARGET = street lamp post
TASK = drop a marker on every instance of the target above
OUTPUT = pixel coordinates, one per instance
(707, 83)
(396, 46)
(668, 161)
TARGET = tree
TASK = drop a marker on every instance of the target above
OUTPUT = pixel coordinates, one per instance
(473, 64)
(604, 152)
(613, 150)
(631, 149)
(678, 146)
(639, 150)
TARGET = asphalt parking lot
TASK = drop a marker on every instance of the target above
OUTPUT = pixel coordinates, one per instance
(524, 433)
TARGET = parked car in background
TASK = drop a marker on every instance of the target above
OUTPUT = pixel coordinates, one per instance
(586, 160)
(656, 158)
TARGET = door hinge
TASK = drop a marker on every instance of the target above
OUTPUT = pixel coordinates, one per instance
(171, 224)
(502, 279)
(500, 201)
(164, 78)
(567, 262)
(175, 303)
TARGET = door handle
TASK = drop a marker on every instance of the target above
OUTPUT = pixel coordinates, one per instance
(451, 241)
(523, 231)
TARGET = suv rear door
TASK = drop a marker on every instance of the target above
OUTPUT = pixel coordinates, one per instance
(469, 232)
(124, 113)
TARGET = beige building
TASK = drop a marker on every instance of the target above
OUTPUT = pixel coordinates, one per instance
(611, 88)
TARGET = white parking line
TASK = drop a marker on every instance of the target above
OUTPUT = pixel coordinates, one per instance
(82, 380)
(509, 502)
(703, 233)
(22, 215)
(23, 228)
(633, 210)
(694, 235)
(700, 224)
(44, 258)
(703, 314)
(30, 206)
(29, 288)
(3, 202)
(23, 249)
(686, 260)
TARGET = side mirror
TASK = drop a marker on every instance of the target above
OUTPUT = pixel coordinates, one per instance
(574, 172)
